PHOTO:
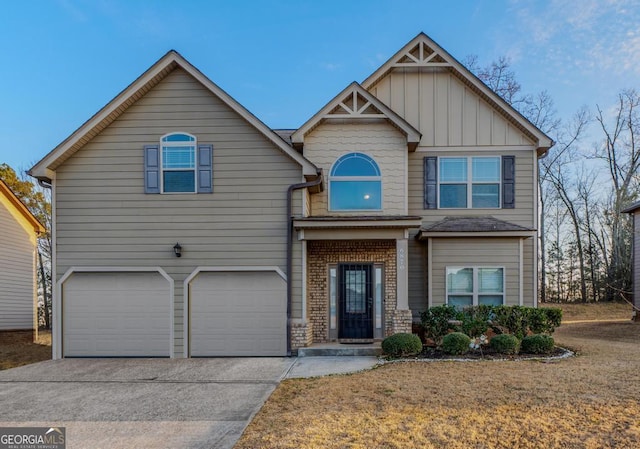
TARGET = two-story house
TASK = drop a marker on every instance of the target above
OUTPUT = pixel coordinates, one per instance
(184, 226)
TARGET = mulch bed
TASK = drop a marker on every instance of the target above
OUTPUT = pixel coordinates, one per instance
(431, 353)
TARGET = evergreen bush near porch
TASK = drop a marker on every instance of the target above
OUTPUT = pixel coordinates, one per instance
(402, 344)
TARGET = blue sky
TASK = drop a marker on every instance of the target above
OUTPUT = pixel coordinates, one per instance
(283, 60)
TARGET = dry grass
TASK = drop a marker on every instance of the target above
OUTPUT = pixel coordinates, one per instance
(17, 352)
(590, 401)
(593, 311)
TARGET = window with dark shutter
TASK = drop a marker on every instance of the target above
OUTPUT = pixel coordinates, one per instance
(508, 182)
(431, 182)
(205, 174)
(151, 169)
(469, 182)
(178, 165)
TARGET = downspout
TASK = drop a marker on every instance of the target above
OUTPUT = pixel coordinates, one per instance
(302, 185)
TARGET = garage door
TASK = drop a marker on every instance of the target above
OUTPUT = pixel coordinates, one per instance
(116, 315)
(238, 314)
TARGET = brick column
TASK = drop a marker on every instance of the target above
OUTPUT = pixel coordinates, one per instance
(402, 285)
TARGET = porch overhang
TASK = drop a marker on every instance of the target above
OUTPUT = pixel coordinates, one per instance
(356, 228)
(470, 227)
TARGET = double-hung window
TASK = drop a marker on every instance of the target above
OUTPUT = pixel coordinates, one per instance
(178, 164)
(476, 182)
(472, 286)
(469, 182)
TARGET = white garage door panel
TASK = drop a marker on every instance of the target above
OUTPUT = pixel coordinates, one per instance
(238, 314)
(116, 315)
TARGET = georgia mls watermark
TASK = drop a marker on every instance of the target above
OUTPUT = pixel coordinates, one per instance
(32, 438)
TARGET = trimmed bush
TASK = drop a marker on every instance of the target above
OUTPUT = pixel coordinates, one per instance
(399, 345)
(475, 319)
(435, 322)
(456, 343)
(505, 344)
(537, 344)
(511, 320)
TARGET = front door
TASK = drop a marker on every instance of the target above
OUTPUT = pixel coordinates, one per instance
(355, 300)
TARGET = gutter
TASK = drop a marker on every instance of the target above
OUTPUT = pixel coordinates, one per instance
(302, 185)
(44, 184)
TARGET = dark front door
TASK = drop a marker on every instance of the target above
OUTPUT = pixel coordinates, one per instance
(355, 301)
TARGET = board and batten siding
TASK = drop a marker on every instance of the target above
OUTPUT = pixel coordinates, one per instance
(104, 218)
(525, 183)
(446, 111)
(476, 252)
(17, 271)
(379, 140)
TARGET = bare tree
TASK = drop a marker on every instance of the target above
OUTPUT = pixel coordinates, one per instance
(538, 109)
(621, 154)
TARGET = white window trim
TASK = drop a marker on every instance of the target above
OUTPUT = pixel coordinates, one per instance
(469, 182)
(193, 144)
(355, 178)
(475, 294)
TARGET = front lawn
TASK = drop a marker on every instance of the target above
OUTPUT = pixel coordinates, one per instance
(17, 352)
(589, 401)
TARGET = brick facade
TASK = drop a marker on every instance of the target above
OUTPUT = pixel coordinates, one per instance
(320, 254)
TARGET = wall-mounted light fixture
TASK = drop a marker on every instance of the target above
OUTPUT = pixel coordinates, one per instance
(177, 249)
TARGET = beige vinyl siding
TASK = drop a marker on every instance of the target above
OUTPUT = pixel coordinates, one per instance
(493, 252)
(379, 140)
(17, 271)
(417, 260)
(525, 195)
(530, 266)
(104, 218)
(444, 110)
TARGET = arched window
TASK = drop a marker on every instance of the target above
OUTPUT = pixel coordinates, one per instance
(355, 183)
(178, 152)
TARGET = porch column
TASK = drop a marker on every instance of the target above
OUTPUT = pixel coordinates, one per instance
(402, 275)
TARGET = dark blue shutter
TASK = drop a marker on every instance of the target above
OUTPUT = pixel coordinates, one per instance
(508, 182)
(151, 169)
(205, 165)
(430, 182)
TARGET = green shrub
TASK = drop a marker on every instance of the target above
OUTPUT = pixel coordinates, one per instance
(554, 318)
(544, 321)
(537, 344)
(511, 320)
(475, 319)
(505, 344)
(456, 343)
(399, 345)
(435, 322)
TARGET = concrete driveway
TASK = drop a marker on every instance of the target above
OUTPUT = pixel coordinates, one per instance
(141, 403)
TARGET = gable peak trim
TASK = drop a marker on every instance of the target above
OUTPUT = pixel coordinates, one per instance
(416, 53)
(356, 103)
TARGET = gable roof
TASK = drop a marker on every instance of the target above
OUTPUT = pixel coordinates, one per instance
(28, 222)
(354, 102)
(45, 168)
(422, 51)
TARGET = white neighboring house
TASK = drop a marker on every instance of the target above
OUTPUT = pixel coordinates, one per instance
(19, 230)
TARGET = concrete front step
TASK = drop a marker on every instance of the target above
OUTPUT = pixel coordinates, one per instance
(337, 349)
